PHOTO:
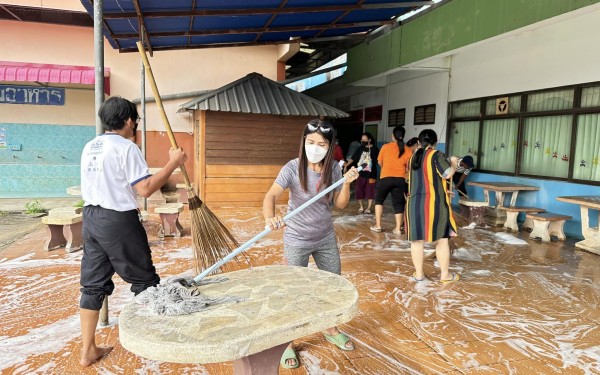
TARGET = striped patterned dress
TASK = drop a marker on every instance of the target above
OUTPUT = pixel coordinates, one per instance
(429, 215)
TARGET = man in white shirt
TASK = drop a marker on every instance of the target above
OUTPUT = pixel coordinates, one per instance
(113, 172)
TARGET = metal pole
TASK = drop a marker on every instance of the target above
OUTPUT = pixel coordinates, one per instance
(143, 104)
(98, 61)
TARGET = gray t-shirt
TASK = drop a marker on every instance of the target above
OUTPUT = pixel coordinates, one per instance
(314, 224)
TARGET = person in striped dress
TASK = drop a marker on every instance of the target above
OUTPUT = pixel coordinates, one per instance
(429, 212)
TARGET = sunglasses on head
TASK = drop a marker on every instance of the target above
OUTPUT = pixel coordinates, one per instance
(324, 128)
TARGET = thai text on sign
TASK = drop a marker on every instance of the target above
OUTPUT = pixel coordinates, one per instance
(11, 94)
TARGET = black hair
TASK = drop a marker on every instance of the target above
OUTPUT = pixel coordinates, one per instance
(398, 134)
(413, 141)
(427, 138)
(115, 112)
(326, 163)
(368, 135)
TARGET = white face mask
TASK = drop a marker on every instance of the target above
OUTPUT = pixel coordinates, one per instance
(315, 153)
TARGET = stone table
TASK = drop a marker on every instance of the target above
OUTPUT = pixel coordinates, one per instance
(591, 234)
(281, 303)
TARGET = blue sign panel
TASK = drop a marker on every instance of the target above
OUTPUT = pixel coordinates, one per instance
(11, 94)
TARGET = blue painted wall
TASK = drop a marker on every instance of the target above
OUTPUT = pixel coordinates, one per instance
(544, 198)
(48, 162)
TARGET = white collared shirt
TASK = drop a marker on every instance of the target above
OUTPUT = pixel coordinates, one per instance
(110, 166)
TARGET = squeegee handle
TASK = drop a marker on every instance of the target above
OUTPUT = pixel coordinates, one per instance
(268, 230)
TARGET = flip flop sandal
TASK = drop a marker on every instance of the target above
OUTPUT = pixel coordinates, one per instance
(397, 231)
(367, 212)
(360, 211)
(455, 277)
(414, 277)
(339, 340)
(375, 229)
(289, 354)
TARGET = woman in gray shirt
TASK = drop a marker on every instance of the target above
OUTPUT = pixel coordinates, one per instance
(311, 232)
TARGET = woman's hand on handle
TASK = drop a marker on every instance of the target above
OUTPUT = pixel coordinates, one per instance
(351, 175)
(275, 223)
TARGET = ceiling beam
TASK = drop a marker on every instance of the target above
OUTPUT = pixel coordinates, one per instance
(338, 18)
(270, 20)
(243, 12)
(142, 27)
(256, 30)
(356, 37)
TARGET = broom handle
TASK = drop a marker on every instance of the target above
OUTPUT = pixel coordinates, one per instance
(268, 229)
(161, 109)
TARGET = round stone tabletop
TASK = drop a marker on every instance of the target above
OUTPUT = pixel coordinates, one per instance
(281, 303)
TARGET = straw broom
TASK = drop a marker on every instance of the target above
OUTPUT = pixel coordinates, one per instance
(211, 240)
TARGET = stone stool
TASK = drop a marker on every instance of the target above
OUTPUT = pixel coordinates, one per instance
(64, 230)
(169, 220)
(473, 210)
(513, 212)
(548, 224)
(183, 194)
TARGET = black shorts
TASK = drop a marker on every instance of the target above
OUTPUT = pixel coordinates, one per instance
(113, 241)
(395, 185)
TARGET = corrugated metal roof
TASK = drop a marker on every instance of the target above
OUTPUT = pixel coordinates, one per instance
(178, 24)
(257, 94)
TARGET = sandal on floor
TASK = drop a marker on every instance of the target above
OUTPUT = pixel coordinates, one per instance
(289, 354)
(339, 340)
(397, 231)
(360, 210)
(367, 212)
(375, 229)
(455, 277)
(414, 277)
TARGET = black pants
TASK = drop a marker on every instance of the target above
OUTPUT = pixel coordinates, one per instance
(113, 241)
(396, 186)
(462, 188)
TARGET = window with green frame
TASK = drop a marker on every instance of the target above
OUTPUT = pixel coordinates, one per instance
(464, 139)
(548, 133)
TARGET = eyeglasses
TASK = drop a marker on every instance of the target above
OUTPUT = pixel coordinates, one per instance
(324, 128)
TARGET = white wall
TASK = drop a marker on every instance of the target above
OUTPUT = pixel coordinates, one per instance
(408, 92)
(563, 53)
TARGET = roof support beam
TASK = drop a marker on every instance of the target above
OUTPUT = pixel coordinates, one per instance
(257, 30)
(268, 23)
(142, 26)
(335, 21)
(355, 38)
(242, 12)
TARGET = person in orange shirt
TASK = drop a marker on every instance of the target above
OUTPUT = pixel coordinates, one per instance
(393, 159)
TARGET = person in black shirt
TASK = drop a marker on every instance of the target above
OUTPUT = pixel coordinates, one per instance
(367, 154)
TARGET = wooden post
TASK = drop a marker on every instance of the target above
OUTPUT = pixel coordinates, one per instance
(104, 312)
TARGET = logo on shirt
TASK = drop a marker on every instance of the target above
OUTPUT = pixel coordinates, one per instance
(365, 158)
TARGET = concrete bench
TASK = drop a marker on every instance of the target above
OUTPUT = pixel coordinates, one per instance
(65, 211)
(183, 194)
(513, 212)
(157, 198)
(169, 219)
(473, 210)
(546, 224)
(63, 230)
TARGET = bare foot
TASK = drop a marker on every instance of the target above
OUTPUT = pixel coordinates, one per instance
(94, 355)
